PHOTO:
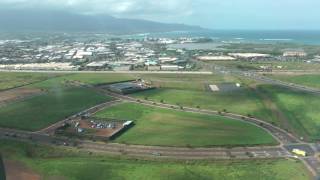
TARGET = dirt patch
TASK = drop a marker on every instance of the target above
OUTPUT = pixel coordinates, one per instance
(17, 94)
(17, 171)
(105, 132)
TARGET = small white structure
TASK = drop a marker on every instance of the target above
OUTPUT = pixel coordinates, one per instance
(215, 58)
(248, 55)
(169, 67)
(167, 59)
(214, 88)
(97, 64)
(127, 123)
(294, 54)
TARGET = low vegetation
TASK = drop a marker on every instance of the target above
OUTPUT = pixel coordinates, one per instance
(10, 80)
(275, 65)
(59, 102)
(56, 163)
(299, 108)
(156, 126)
(312, 80)
(244, 101)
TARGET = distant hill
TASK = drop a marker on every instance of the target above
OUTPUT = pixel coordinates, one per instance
(68, 22)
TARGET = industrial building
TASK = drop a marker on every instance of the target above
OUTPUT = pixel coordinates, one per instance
(129, 87)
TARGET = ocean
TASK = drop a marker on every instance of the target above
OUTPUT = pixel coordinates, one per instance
(249, 36)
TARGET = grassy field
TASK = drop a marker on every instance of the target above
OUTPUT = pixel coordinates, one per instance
(41, 111)
(244, 101)
(182, 81)
(256, 65)
(300, 108)
(155, 126)
(91, 78)
(59, 101)
(306, 80)
(11, 80)
(54, 163)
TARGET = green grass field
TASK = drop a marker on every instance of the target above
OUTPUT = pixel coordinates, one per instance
(244, 101)
(156, 126)
(301, 109)
(57, 163)
(256, 65)
(10, 80)
(59, 102)
(98, 78)
(312, 80)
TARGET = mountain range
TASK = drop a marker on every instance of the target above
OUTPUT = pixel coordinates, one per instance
(28, 20)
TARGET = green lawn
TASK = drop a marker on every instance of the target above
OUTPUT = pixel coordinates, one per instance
(11, 80)
(156, 126)
(56, 163)
(256, 65)
(244, 101)
(306, 80)
(91, 78)
(300, 108)
(41, 111)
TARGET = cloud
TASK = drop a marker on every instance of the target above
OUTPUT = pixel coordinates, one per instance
(123, 8)
(227, 14)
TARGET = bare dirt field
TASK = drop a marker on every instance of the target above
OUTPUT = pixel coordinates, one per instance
(16, 94)
(17, 171)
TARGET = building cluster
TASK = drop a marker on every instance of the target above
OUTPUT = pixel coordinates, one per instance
(118, 55)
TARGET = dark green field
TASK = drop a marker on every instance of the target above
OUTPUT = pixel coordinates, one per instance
(300, 109)
(10, 80)
(312, 80)
(98, 78)
(155, 126)
(242, 65)
(245, 101)
(41, 111)
(56, 163)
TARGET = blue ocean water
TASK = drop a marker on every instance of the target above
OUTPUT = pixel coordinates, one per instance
(259, 36)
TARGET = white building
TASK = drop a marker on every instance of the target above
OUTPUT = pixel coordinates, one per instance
(294, 54)
(215, 58)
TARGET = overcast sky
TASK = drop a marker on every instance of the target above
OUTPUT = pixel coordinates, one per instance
(215, 14)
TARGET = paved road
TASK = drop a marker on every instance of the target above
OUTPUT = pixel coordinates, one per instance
(113, 72)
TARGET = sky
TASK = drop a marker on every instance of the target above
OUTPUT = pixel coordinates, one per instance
(213, 14)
